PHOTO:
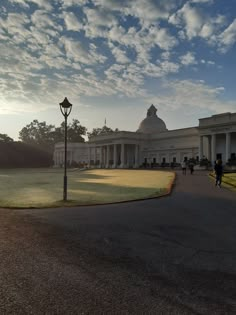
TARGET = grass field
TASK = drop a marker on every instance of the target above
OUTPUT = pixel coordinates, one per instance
(21, 188)
(230, 179)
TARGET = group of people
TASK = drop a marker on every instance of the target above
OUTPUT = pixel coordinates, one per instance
(218, 169)
(184, 167)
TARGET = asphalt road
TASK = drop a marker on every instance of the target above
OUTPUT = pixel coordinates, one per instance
(172, 255)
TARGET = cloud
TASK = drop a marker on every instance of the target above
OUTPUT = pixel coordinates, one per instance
(42, 20)
(14, 23)
(98, 22)
(150, 10)
(191, 17)
(188, 59)
(111, 4)
(22, 3)
(125, 80)
(70, 3)
(45, 4)
(191, 95)
(143, 40)
(99, 17)
(202, 1)
(119, 54)
(106, 48)
(227, 38)
(147, 11)
(162, 38)
(194, 22)
(166, 55)
(71, 22)
(76, 51)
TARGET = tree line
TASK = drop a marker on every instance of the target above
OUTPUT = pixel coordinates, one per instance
(37, 140)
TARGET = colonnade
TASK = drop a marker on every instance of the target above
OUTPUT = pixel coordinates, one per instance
(211, 147)
(115, 155)
(59, 156)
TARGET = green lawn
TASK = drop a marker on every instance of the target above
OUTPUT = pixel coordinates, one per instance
(44, 187)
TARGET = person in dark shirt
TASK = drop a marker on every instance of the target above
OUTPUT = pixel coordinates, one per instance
(191, 167)
(219, 172)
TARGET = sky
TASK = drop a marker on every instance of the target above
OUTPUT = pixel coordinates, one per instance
(113, 59)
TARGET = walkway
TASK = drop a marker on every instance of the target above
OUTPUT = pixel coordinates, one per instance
(173, 255)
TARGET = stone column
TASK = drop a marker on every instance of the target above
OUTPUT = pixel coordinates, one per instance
(71, 156)
(169, 158)
(201, 148)
(95, 157)
(209, 148)
(228, 144)
(178, 158)
(100, 160)
(127, 155)
(213, 148)
(136, 165)
(58, 158)
(102, 156)
(114, 156)
(122, 156)
(108, 156)
(89, 155)
(55, 159)
(61, 159)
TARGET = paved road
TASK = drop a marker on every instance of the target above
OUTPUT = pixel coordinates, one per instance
(172, 255)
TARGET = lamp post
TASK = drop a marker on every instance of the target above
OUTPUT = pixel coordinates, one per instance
(65, 108)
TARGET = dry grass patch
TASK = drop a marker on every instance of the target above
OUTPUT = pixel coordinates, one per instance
(44, 187)
(230, 179)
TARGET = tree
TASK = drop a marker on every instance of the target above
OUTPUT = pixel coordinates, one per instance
(5, 138)
(76, 131)
(100, 131)
(39, 133)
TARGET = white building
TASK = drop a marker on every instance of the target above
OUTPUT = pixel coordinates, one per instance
(214, 138)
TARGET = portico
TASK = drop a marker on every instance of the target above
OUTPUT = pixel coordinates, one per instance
(117, 150)
(217, 137)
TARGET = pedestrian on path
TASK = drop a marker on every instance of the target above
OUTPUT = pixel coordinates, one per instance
(218, 172)
(191, 168)
(184, 167)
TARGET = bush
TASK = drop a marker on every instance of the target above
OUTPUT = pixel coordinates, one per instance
(19, 154)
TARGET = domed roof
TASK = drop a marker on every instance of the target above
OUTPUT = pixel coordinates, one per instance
(152, 123)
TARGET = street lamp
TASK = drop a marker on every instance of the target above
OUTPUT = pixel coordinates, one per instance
(65, 108)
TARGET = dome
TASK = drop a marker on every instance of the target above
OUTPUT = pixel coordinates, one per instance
(152, 123)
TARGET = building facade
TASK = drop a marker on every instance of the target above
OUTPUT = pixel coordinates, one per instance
(153, 143)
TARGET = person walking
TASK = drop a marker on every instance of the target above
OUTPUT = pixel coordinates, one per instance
(184, 167)
(218, 172)
(191, 167)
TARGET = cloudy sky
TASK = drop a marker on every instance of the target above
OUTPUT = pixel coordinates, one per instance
(113, 59)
